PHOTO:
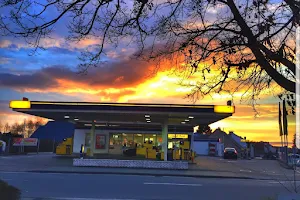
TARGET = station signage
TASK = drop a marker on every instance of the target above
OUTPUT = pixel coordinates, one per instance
(178, 136)
(31, 142)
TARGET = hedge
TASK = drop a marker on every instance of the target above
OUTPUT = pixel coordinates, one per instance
(8, 192)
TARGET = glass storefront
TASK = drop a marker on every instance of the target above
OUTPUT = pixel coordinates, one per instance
(131, 140)
(115, 143)
(150, 137)
(128, 140)
(138, 139)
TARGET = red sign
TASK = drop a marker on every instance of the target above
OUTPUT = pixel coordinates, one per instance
(100, 141)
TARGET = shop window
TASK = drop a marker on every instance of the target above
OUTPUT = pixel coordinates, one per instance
(138, 139)
(116, 143)
(151, 137)
(128, 140)
(116, 139)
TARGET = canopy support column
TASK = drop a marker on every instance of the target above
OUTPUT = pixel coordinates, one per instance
(92, 136)
(165, 139)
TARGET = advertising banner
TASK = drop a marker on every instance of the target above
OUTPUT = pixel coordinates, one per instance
(25, 142)
(100, 141)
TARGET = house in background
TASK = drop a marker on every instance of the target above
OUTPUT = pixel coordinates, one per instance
(204, 145)
(226, 139)
(237, 139)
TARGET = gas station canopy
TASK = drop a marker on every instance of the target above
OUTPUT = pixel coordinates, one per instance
(130, 116)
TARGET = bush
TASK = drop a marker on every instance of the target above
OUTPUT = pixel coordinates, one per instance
(8, 192)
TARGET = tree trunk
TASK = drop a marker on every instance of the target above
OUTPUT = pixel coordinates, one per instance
(261, 60)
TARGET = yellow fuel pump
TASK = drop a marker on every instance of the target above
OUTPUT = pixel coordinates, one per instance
(65, 148)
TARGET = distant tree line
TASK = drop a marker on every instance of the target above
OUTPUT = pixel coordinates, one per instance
(26, 128)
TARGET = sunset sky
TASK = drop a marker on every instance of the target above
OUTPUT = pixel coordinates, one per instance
(52, 75)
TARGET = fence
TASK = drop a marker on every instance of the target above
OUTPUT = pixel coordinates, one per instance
(44, 145)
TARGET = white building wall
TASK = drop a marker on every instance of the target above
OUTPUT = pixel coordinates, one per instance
(79, 139)
(201, 147)
(220, 149)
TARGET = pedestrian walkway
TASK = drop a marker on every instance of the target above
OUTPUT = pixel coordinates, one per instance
(150, 172)
(205, 167)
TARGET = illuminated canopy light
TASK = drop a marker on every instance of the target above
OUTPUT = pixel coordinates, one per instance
(191, 117)
(224, 109)
(97, 125)
(147, 116)
(67, 116)
(187, 120)
(183, 122)
(19, 104)
(76, 119)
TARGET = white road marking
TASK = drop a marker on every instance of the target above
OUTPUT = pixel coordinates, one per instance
(281, 182)
(74, 198)
(176, 184)
(31, 173)
(242, 170)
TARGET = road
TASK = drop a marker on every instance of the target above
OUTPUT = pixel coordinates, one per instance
(254, 166)
(92, 186)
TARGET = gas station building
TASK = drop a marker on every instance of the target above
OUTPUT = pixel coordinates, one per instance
(104, 128)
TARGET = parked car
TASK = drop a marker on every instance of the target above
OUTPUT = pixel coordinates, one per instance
(230, 153)
(294, 159)
(270, 156)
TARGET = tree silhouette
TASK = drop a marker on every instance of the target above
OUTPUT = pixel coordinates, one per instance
(25, 128)
(1, 127)
(245, 45)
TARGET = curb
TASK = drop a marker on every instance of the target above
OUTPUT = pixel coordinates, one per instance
(152, 174)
